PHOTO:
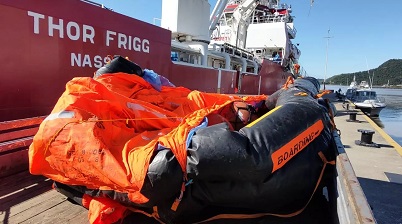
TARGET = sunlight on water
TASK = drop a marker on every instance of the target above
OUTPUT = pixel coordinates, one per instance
(390, 117)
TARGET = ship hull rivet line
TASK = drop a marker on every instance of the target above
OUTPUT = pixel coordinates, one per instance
(366, 138)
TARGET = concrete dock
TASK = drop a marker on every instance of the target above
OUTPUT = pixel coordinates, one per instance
(378, 166)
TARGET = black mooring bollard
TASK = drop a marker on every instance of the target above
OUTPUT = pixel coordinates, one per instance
(366, 139)
(352, 117)
(367, 136)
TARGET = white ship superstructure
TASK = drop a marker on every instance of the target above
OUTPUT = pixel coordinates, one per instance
(240, 35)
(264, 28)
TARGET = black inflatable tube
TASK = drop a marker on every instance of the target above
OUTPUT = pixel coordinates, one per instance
(120, 64)
(233, 167)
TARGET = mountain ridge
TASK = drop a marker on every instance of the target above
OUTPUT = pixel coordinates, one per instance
(389, 71)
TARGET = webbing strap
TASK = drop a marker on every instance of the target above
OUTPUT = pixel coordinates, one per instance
(178, 200)
(154, 215)
(259, 215)
(288, 82)
(301, 94)
(325, 92)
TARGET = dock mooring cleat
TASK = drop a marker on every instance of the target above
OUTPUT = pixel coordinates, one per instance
(366, 138)
(352, 117)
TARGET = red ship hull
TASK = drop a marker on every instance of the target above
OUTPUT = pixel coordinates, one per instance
(45, 44)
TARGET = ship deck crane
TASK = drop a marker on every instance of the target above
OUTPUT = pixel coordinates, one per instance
(216, 14)
(239, 20)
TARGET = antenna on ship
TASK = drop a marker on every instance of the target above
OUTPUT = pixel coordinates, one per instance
(368, 71)
(326, 60)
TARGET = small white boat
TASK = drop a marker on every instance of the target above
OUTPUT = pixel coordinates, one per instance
(365, 98)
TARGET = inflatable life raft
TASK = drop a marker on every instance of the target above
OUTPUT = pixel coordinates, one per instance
(116, 144)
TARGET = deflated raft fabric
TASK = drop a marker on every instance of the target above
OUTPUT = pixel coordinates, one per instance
(180, 156)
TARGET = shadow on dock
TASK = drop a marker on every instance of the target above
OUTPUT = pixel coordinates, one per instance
(385, 199)
(18, 188)
(349, 118)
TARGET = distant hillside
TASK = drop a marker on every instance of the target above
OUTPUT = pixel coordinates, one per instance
(390, 70)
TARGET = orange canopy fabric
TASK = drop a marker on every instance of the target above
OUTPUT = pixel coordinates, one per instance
(102, 132)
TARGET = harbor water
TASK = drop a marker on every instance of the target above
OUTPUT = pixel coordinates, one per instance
(390, 119)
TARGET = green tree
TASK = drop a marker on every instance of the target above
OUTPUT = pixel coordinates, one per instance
(390, 70)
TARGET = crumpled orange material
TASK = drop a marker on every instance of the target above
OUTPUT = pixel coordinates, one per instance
(102, 132)
(105, 211)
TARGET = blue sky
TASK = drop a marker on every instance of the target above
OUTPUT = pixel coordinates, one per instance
(360, 29)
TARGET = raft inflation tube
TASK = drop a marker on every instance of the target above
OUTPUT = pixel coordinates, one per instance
(272, 166)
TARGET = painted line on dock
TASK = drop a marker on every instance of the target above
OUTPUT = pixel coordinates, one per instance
(387, 138)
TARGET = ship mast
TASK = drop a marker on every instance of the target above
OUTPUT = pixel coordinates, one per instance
(326, 58)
